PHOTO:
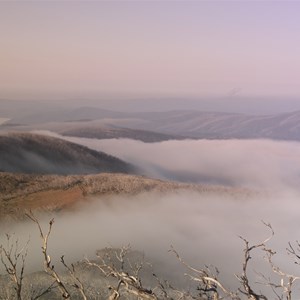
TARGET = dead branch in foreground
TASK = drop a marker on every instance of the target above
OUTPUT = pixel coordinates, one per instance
(131, 282)
(246, 288)
(128, 278)
(10, 257)
(77, 283)
(48, 267)
(210, 286)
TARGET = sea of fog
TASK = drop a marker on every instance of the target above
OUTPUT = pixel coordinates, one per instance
(204, 229)
(256, 164)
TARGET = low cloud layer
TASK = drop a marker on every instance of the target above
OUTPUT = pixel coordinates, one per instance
(204, 229)
(249, 163)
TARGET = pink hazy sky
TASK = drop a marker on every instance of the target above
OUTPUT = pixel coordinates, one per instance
(149, 48)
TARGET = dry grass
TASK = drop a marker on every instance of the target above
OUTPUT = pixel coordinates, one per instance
(21, 192)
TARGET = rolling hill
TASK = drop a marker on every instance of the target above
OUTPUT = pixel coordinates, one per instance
(101, 132)
(22, 192)
(32, 153)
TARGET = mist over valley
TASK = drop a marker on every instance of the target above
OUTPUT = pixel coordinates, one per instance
(149, 150)
(197, 195)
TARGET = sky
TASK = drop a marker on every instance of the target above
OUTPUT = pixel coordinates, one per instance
(171, 48)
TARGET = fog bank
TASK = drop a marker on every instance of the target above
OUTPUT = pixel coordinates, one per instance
(204, 229)
(258, 164)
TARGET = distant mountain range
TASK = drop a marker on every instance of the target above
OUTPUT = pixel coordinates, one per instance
(101, 132)
(224, 125)
(155, 126)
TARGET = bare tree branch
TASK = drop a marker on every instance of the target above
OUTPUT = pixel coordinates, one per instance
(77, 282)
(48, 267)
(206, 278)
(243, 279)
(10, 257)
(130, 282)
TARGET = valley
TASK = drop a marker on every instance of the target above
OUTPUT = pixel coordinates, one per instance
(149, 150)
(107, 185)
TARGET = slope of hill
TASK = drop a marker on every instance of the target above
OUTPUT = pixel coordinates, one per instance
(31, 153)
(21, 192)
